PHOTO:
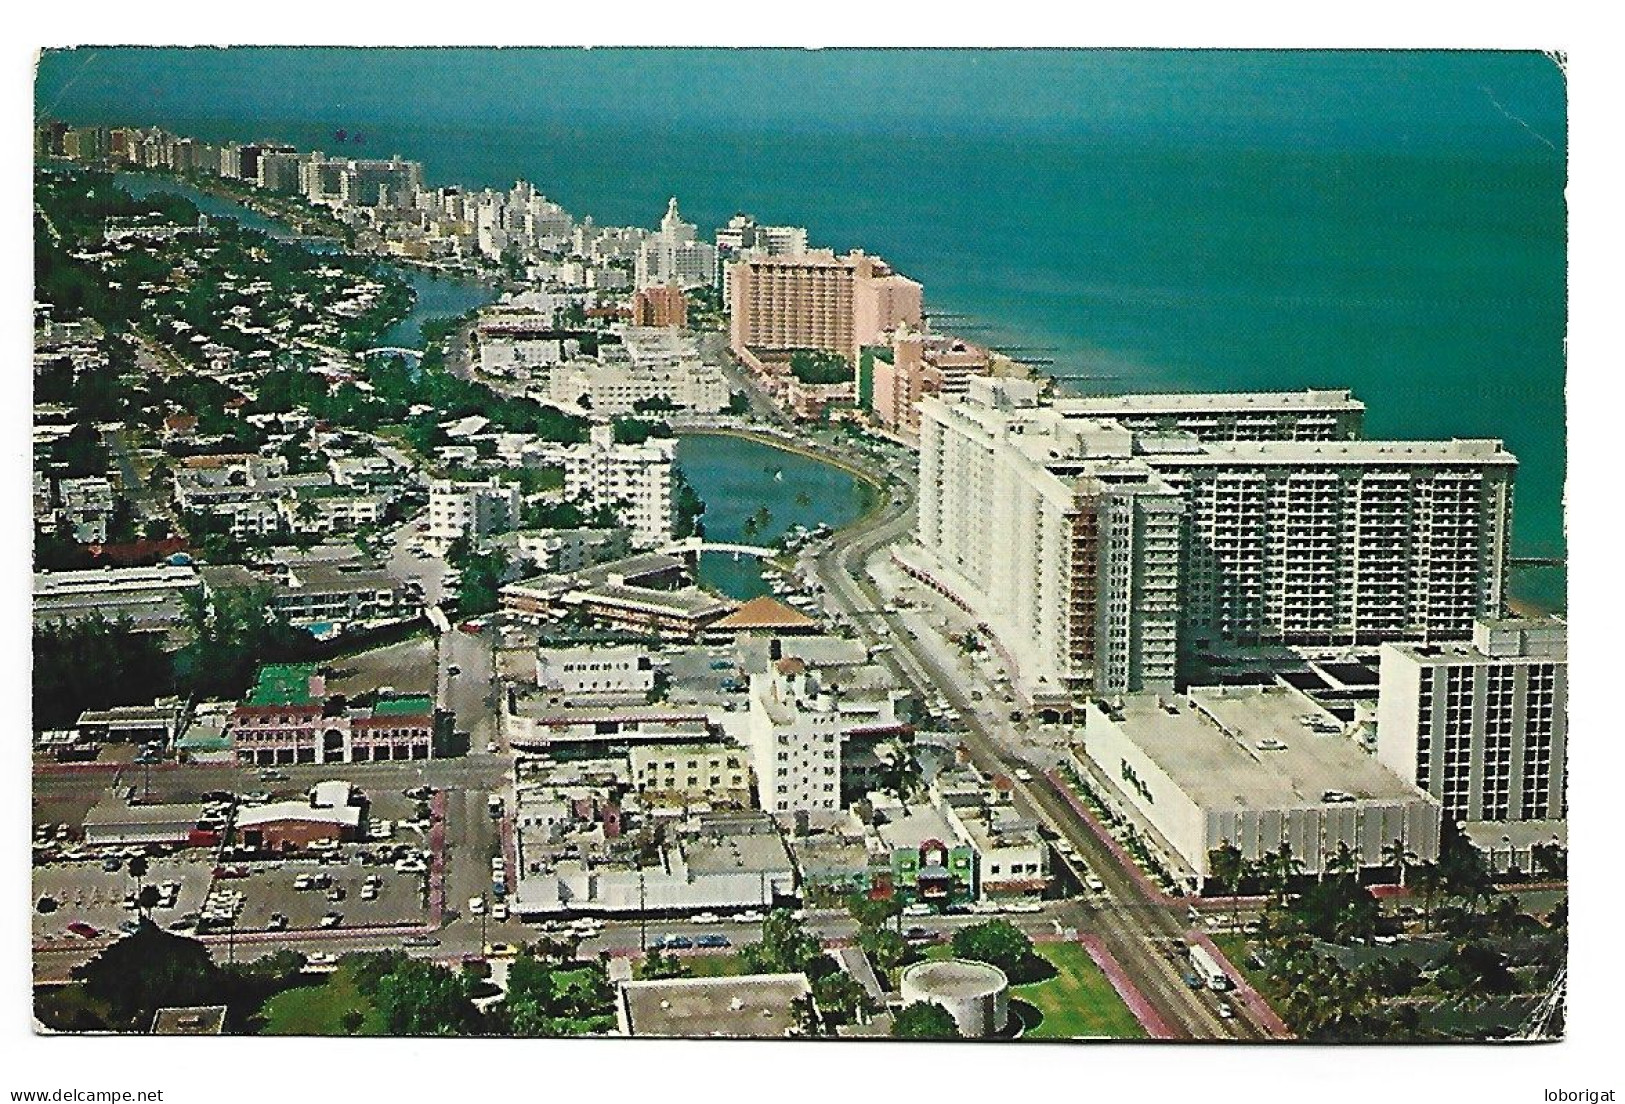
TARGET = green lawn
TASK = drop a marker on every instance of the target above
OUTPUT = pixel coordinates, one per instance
(319, 1009)
(714, 965)
(1079, 1001)
(1240, 953)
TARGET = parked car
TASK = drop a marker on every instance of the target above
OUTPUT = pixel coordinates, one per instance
(674, 942)
(712, 940)
(499, 910)
(420, 941)
(476, 906)
(706, 918)
(332, 920)
(83, 930)
(278, 922)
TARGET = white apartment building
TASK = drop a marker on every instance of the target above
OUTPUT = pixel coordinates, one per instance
(87, 506)
(1311, 415)
(1055, 536)
(634, 479)
(707, 774)
(474, 509)
(1098, 554)
(651, 363)
(590, 674)
(673, 254)
(798, 727)
(1339, 542)
(1482, 726)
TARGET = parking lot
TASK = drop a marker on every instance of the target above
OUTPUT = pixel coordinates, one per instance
(85, 893)
(337, 888)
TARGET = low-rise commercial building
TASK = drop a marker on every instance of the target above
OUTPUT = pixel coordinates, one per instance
(1257, 768)
(333, 811)
(578, 675)
(716, 861)
(115, 821)
(151, 597)
(760, 1006)
(288, 717)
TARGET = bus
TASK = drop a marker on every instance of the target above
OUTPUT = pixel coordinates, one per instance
(1207, 969)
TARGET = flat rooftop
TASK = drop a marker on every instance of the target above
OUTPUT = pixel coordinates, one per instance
(1108, 406)
(737, 853)
(1251, 747)
(753, 1006)
(1177, 449)
(283, 684)
(202, 1020)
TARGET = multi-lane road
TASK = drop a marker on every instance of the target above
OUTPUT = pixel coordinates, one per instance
(1143, 933)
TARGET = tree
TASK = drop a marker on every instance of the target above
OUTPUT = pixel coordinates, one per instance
(885, 948)
(1431, 880)
(1226, 865)
(147, 970)
(899, 772)
(423, 998)
(147, 900)
(138, 871)
(997, 943)
(873, 912)
(658, 965)
(1553, 858)
(1400, 857)
(786, 948)
(924, 1020)
(840, 998)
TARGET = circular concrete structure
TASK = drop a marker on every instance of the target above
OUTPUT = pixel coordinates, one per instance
(975, 994)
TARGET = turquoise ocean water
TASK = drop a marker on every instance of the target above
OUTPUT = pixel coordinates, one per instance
(1389, 222)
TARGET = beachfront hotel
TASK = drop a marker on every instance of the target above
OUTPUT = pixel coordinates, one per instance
(817, 300)
(1105, 559)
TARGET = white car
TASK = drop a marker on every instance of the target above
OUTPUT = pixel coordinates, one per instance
(705, 918)
(499, 910)
(476, 906)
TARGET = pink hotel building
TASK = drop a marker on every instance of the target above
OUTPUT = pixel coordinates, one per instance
(817, 300)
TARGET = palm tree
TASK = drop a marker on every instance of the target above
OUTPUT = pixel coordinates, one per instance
(1343, 860)
(1431, 880)
(1227, 866)
(899, 771)
(1397, 855)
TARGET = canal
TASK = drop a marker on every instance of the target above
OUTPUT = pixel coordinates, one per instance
(754, 494)
(434, 295)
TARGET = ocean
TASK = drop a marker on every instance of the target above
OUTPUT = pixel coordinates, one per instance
(1390, 222)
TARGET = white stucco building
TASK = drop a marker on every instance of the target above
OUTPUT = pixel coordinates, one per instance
(1258, 768)
(1481, 725)
(474, 509)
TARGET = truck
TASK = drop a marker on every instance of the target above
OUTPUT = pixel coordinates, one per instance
(1207, 969)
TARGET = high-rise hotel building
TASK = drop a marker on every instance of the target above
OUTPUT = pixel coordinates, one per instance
(1103, 556)
(1481, 725)
(817, 300)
